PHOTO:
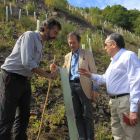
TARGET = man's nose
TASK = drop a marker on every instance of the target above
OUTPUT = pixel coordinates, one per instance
(72, 44)
(56, 36)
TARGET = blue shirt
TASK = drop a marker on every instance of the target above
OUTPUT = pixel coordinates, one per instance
(74, 67)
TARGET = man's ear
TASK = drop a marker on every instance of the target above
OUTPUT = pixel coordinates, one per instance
(46, 28)
(114, 44)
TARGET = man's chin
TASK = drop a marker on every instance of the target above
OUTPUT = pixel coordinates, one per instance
(51, 39)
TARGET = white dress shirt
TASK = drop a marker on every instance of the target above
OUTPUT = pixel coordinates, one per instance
(122, 76)
(26, 54)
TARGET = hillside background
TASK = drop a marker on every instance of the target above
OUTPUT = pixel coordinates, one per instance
(94, 25)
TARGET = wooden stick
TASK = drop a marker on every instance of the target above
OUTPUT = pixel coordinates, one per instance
(45, 105)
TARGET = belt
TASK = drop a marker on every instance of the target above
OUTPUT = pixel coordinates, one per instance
(15, 75)
(76, 80)
(120, 95)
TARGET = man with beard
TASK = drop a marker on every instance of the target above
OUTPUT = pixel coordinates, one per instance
(15, 88)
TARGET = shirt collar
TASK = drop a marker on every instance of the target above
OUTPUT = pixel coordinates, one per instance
(116, 57)
(38, 35)
(77, 53)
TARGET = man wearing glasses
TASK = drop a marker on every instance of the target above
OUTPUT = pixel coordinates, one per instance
(122, 79)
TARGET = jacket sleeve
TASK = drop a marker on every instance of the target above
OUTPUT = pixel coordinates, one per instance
(91, 65)
(65, 64)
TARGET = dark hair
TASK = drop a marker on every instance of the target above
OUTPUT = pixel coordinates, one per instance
(118, 39)
(76, 34)
(51, 22)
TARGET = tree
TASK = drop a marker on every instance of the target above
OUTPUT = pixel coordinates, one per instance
(86, 10)
(94, 10)
(57, 4)
(137, 26)
(105, 11)
(118, 15)
(133, 15)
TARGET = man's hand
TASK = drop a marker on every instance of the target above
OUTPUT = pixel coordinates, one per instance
(94, 94)
(52, 75)
(53, 67)
(134, 118)
(85, 72)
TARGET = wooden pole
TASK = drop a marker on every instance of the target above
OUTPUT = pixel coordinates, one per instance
(45, 105)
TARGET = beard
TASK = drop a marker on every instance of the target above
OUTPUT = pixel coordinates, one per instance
(48, 37)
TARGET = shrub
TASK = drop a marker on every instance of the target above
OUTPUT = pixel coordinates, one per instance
(2, 13)
(27, 23)
(95, 20)
(42, 16)
(31, 7)
(57, 4)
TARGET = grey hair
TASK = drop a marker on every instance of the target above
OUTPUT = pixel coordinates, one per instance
(118, 39)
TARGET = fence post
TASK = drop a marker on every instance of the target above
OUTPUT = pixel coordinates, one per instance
(38, 23)
(6, 13)
(83, 46)
(10, 8)
(34, 15)
(19, 14)
(27, 10)
(46, 16)
(90, 47)
(139, 53)
(4, 2)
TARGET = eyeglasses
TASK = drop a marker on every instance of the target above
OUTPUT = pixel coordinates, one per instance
(111, 41)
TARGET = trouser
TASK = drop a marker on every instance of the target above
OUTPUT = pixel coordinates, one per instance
(15, 98)
(83, 112)
(120, 130)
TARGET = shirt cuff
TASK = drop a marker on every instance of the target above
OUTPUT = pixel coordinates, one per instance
(58, 70)
(90, 77)
(95, 87)
(93, 77)
(134, 107)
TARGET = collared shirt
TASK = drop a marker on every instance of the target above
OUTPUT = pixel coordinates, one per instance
(75, 67)
(122, 76)
(26, 54)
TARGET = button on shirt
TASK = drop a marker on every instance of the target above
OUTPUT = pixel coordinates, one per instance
(26, 54)
(122, 76)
